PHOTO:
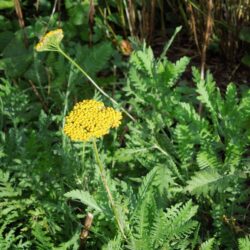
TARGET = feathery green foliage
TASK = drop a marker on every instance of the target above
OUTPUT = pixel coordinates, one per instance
(179, 174)
(244, 243)
(207, 245)
(204, 149)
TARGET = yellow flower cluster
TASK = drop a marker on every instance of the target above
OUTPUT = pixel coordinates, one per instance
(50, 41)
(90, 119)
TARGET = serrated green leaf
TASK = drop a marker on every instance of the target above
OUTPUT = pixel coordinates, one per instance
(207, 181)
(85, 197)
(244, 243)
(207, 245)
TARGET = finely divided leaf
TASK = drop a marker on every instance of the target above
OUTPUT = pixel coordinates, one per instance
(244, 243)
(84, 197)
(207, 181)
(207, 245)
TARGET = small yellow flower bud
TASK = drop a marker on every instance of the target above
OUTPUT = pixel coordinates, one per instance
(50, 41)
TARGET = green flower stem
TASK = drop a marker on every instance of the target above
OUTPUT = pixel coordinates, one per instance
(105, 184)
(83, 152)
(92, 81)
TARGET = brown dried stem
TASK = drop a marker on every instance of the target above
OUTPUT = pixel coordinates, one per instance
(208, 31)
(21, 22)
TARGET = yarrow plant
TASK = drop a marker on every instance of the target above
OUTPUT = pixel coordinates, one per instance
(89, 120)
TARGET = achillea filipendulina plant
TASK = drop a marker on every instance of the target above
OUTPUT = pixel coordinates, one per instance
(90, 119)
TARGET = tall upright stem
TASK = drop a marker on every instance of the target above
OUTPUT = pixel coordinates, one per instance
(109, 194)
(92, 81)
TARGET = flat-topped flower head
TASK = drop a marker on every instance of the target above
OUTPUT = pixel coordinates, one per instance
(50, 41)
(90, 119)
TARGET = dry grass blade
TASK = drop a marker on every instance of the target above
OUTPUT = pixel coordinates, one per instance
(208, 32)
(132, 16)
(21, 22)
(193, 26)
(91, 21)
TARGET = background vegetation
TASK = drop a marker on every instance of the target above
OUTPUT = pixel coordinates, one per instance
(179, 173)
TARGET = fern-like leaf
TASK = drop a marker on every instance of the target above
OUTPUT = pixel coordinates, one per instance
(84, 197)
(207, 245)
(114, 244)
(180, 223)
(207, 181)
(174, 225)
(207, 159)
(244, 243)
(146, 183)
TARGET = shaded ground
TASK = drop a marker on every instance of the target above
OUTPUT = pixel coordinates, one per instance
(223, 71)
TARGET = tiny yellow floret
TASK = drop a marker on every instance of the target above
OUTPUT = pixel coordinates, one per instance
(50, 41)
(90, 119)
